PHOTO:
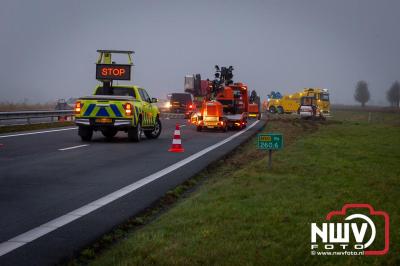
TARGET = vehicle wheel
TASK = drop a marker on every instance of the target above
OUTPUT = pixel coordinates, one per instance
(155, 133)
(85, 133)
(199, 128)
(109, 133)
(280, 110)
(135, 133)
(272, 109)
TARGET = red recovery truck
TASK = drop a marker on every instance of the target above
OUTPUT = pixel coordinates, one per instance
(225, 105)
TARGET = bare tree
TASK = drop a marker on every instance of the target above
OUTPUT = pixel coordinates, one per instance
(393, 94)
(361, 94)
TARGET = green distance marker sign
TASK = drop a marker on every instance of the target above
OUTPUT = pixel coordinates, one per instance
(269, 141)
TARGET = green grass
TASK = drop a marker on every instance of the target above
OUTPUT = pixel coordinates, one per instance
(245, 214)
(378, 117)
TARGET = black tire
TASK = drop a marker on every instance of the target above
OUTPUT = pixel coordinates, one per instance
(85, 133)
(109, 133)
(155, 133)
(135, 133)
(272, 109)
(199, 128)
(280, 110)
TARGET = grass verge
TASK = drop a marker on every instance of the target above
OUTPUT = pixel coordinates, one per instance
(244, 214)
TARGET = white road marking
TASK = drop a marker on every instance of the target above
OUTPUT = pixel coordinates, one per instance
(37, 132)
(52, 225)
(73, 147)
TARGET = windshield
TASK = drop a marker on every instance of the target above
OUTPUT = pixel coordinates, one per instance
(325, 96)
(307, 101)
(118, 91)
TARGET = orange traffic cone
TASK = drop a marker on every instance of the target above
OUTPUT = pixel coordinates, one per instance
(176, 141)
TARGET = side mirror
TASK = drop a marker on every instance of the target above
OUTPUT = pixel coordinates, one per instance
(154, 100)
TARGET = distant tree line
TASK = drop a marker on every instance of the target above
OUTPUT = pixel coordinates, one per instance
(362, 94)
(393, 94)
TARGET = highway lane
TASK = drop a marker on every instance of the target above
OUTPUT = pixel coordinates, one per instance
(39, 182)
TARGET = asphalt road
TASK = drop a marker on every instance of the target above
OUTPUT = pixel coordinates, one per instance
(45, 176)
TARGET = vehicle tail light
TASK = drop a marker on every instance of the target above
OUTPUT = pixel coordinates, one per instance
(78, 107)
(190, 106)
(128, 109)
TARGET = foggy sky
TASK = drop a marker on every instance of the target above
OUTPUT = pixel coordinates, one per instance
(48, 48)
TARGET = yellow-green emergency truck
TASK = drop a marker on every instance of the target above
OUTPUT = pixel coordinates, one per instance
(114, 108)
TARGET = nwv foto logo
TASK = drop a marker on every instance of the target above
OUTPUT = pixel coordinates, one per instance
(333, 236)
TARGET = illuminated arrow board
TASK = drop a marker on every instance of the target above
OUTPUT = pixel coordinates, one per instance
(113, 72)
(269, 141)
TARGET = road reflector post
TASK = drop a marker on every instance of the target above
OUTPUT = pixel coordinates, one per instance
(270, 142)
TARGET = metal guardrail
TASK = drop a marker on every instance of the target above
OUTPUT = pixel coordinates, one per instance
(28, 115)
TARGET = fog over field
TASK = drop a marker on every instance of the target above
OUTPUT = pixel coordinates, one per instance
(48, 48)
